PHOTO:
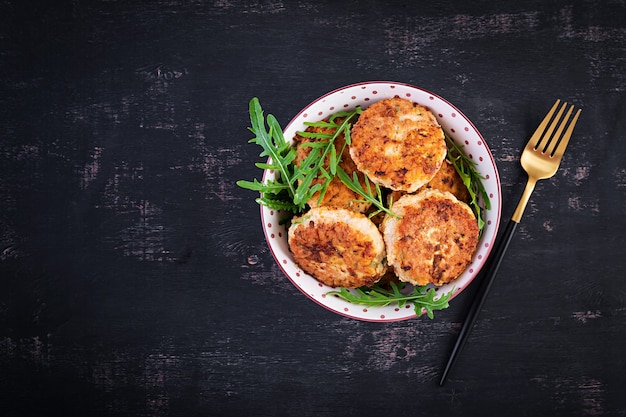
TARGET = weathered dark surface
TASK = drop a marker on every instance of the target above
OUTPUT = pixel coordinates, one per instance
(134, 275)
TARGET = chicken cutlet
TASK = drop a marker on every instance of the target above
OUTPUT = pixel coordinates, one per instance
(398, 143)
(448, 179)
(338, 247)
(433, 239)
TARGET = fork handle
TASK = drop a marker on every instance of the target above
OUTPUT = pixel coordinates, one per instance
(485, 285)
(523, 201)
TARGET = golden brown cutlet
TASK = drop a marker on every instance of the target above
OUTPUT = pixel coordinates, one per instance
(448, 179)
(434, 238)
(398, 144)
(338, 247)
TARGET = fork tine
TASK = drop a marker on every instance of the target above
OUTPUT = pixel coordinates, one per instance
(552, 143)
(548, 135)
(535, 139)
(562, 144)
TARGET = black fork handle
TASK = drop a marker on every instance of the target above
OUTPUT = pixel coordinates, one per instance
(485, 285)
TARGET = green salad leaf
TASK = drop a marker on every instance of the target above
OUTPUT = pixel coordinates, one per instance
(276, 193)
(322, 150)
(295, 184)
(423, 298)
(368, 195)
(472, 179)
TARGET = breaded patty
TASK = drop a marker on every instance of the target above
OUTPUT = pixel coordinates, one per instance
(398, 144)
(433, 241)
(338, 247)
(448, 179)
(337, 194)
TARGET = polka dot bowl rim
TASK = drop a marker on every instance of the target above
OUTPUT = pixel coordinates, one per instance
(460, 129)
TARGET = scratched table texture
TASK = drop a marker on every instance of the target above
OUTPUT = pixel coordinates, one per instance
(135, 279)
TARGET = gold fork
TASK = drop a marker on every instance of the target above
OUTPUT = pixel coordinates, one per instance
(542, 155)
(540, 159)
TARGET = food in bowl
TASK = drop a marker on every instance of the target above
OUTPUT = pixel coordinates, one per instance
(283, 196)
(429, 236)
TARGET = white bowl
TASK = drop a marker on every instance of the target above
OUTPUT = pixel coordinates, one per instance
(455, 124)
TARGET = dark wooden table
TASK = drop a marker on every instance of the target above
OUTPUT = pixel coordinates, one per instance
(134, 275)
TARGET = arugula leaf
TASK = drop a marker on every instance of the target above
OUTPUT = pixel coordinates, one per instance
(275, 193)
(322, 153)
(295, 184)
(368, 196)
(466, 169)
(423, 298)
